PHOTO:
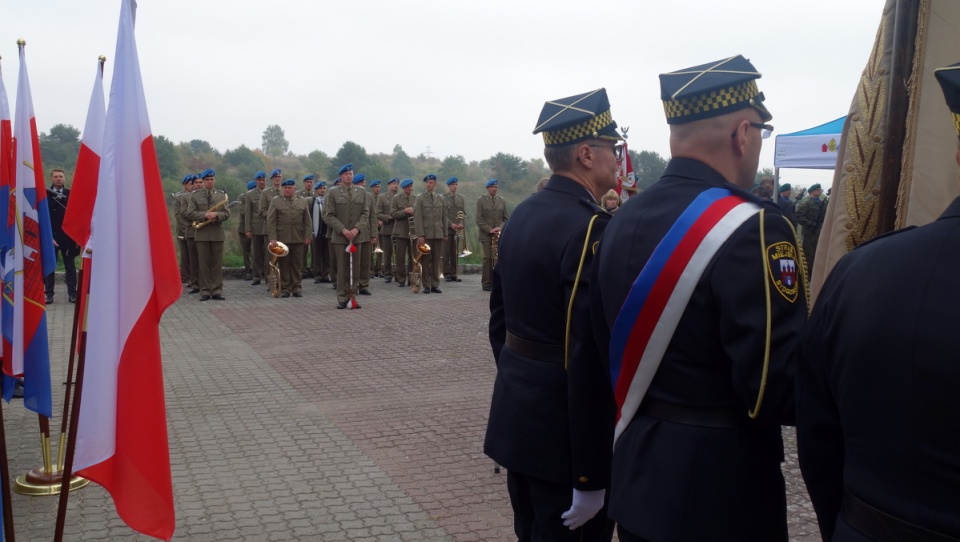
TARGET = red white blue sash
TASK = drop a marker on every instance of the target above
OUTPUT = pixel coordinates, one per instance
(659, 296)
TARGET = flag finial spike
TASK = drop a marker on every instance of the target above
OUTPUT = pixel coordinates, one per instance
(103, 59)
(21, 42)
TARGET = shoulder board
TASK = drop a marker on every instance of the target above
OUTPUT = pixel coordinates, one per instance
(219, 192)
(178, 194)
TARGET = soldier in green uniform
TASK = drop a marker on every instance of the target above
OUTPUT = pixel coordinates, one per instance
(368, 231)
(306, 270)
(401, 209)
(180, 200)
(288, 221)
(386, 241)
(347, 215)
(190, 235)
(430, 221)
(254, 227)
(810, 213)
(333, 257)
(454, 205)
(491, 216)
(209, 204)
(375, 226)
(307, 191)
(245, 243)
(265, 198)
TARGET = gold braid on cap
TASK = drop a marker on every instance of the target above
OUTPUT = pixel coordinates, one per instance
(590, 128)
(711, 101)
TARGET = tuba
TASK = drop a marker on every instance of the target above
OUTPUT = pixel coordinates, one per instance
(273, 275)
(462, 236)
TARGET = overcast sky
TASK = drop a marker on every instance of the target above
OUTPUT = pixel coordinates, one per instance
(442, 77)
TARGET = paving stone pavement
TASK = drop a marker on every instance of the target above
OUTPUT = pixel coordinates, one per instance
(292, 420)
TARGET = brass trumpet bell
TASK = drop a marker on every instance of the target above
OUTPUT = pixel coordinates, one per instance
(280, 249)
(424, 248)
(378, 250)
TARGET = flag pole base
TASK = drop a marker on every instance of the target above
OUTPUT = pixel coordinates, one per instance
(38, 482)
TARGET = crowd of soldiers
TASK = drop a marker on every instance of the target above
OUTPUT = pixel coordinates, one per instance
(806, 212)
(344, 237)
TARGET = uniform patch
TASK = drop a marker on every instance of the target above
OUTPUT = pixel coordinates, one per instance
(784, 269)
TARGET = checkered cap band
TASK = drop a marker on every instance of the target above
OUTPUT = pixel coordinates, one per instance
(712, 103)
(578, 132)
(956, 122)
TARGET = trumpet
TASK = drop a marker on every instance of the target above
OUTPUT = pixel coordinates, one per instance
(278, 250)
(198, 224)
(462, 236)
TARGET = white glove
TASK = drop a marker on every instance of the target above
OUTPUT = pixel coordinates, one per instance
(586, 504)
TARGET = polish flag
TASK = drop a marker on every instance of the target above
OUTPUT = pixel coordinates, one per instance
(83, 193)
(122, 433)
(6, 180)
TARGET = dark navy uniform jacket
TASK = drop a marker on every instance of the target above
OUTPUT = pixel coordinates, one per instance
(548, 422)
(57, 204)
(879, 381)
(677, 482)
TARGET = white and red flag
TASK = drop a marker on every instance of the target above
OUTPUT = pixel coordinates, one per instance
(30, 257)
(83, 193)
(626, 180)
(122, 433)
(6, 182)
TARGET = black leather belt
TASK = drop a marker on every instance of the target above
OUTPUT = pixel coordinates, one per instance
(721, 418)
(552, 353)
(882, 527)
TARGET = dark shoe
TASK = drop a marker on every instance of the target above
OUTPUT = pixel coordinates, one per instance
(256, 282)
(49, 299)
(364, 292)
(324, 279)
(456, 279)
(18, 389)
(317, 281)
(341, 304)
(388, 280)
(248, 277)
(204, 297)
(436, 290)
(218, 297)
(194, 291)
(72, 298)
(297, 294)
(402, 283)
(448, 279)
(285, 294)
(426, 290)
(487, 289)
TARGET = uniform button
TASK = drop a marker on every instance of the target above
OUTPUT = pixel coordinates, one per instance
(583, 479)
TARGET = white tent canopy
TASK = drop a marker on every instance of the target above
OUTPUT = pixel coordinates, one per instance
(813, 148)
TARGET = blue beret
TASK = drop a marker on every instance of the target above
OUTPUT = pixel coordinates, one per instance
(711, 89)
(394, 180)
(275, 173)
(198, 175)
(359, 178)
(251, 185)
(321, 184)
(815, 187)
(260, 175)
(406, 182)
(187, 179)
(492, 182)
(344, 169)
(375, 182)
(336, 182)
(308, 178)
(289, 182)
(430, 177)
(208, 173)
(452, 180)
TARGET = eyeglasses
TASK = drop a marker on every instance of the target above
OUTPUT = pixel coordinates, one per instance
(617, 150)
(765, 129)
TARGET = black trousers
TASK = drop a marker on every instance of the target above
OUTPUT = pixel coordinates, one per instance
(537, 506)
(68, 255)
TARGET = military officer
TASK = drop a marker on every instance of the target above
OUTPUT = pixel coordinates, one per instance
(430, 222)
(386, 241)
(697, 448)
(877, 382)
(333, 257)
(348, 216)
(321, 243)
(307, 191)
(810, 214)
(369, 231)
(57, 197)
(245, 243)
(254, 226)
(266, 196)
(401, 209)
(288, 221)
(180, 200)
(210, 205)
(491, 216)
(454, 205)
(786, 204)
(191, 236)
(375, 225)
(551, 416)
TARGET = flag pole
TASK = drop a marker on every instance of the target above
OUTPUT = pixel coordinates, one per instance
(67, 479)
(77, 309)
